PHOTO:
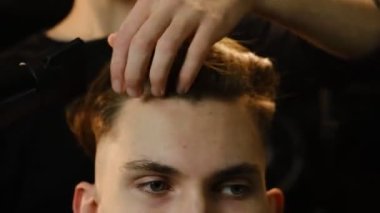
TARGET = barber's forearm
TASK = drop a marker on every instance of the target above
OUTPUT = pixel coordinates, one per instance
(347, 28)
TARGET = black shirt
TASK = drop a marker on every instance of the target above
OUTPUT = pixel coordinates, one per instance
(41, 161)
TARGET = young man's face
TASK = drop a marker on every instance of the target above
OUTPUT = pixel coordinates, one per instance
(172, 156)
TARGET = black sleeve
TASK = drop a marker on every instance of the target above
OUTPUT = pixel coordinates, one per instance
(302, 66)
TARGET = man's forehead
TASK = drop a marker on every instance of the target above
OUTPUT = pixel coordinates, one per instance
(192, 119)
(185, 119)
(171, 106)
(176, 130)
(180, 103)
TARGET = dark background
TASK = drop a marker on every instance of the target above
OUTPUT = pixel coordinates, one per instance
(20, 18)
(325, 131)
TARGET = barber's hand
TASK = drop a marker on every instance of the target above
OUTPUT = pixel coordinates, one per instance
(158, 28)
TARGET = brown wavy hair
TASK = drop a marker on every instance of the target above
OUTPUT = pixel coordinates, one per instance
(230, 71)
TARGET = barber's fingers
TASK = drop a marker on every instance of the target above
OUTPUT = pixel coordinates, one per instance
(181, 28)
(136, 18)
(141, 50)
(140, 33)
(199, 48)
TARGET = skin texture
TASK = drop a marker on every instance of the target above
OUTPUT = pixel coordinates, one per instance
(346, 28)
(100, 18)
(164, 26)
(198, 141)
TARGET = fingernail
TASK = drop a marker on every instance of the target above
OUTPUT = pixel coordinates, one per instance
(162, 92)
(182, 90)
(158, 92)
(154, 91)
(132, 92)
(116, 86)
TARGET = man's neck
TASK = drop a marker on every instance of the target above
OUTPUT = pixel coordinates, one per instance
(91, 19)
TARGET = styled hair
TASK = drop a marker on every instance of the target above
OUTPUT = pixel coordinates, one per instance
(229, 72)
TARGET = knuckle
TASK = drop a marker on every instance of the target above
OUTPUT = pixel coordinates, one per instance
(141, 44)
(167, 46)
(217, 19)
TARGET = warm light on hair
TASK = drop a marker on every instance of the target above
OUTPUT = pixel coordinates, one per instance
(229, 72)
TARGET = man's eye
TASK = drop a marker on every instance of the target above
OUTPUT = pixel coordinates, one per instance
(155, 187)
(235, 190)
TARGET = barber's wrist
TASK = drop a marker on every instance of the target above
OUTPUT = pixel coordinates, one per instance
(265, 8)
(276, 10)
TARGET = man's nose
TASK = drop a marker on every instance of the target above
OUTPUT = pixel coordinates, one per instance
(197, 201)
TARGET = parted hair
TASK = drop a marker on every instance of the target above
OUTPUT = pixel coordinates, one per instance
(230, 71)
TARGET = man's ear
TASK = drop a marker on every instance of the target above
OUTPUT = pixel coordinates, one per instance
(84, 200)
(276, 200)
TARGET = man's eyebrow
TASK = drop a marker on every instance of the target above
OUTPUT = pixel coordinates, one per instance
(151, 166)
(244, 169)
